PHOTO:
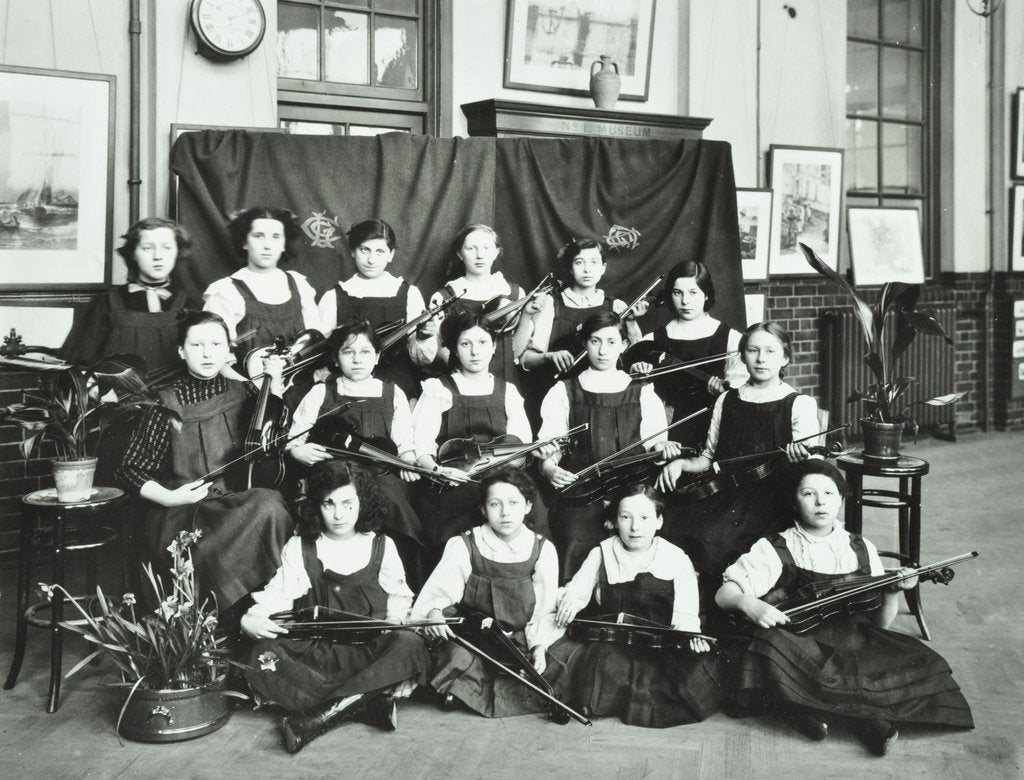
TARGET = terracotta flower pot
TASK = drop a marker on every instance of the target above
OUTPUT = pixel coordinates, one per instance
(174, 715)
(881, 440)
(73, 479)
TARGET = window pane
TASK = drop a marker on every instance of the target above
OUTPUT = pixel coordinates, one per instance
(370, 130)
(395, 59)
(298, 41)
(402, 6)
(862, 18)
(861, 160)
(903, 21)
(861, 78)
(902, 84)
(347, 47)
(901, 159)
(298, 127)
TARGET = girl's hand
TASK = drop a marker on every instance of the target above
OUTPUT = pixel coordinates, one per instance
(545, 452)
(273, 365)
(408, 476)
(568, 607)
(440, 631)
(540, 661)
(454, 475)
(556, 475)
(796, 452)
(191, 493)
(639, 310)
(698, 645)
(536, 305)
(907, 584)
(562, 359)
(641, 368)
(307, 454)
(259, 627)
(669, 449)
(762, 613)
(669, 475)
(716, 385)
(430, 328)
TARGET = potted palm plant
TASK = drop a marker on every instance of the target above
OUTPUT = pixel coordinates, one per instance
(889, 327)
(172, 659)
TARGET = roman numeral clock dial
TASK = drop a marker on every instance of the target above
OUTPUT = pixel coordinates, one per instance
(227, 29)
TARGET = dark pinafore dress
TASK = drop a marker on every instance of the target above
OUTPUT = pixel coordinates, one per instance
(153, 336)
(503, 363)
(847, 665)
(303, 673)
(269, 320)
(371, 419)
(649, 688)
(456, 509)
(505, 592)
(715, 531)
(684, 393)
(378, 311)
(614, 420)
(243, 532)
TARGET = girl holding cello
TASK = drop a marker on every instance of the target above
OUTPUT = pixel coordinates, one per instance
(848, 666)
(379, 417)
(340, 561)
(375, 294)
(179, 470)
(620, 412)
(636, 572)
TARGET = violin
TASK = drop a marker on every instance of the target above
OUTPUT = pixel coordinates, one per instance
(394, 333)
(475, 457)
(634, 631)
(266, 465)
(814, 603)
(697, 487)
(666, 363)
(385, 458)
(341, 627)
(308, 351)
(503, 315)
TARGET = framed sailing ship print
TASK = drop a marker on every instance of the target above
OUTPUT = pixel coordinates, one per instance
(56, 179)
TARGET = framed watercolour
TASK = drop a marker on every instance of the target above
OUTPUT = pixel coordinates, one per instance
(1017, 229)
(807, 183)
(885, 245)
(550, 45)
(1017, 166)
(754, 304)
(56, 179)
(754, 210)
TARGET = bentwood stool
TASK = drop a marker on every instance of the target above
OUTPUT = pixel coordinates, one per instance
(63, 528)
(907, 500)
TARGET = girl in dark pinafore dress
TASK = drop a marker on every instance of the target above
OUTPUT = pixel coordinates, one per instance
(848, 667)
(506, 571)
(342, 562)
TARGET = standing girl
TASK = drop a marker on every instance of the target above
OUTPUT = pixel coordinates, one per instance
(339, 561)
(692, 335)
(374, 294)
(637, 573)
(503, 570)
(620, 412)
(849, 666)
(169, 466)
(141, 317)
(261, 296)
(475, 250)
(380, 416)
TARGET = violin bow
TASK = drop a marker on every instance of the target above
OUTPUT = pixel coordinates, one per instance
(719, 463)
(596, 466)
(646, 625)
(528, 449)
(670, 369)
(406, 466)
(403, 329)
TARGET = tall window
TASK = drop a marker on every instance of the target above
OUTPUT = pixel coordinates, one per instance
(890, 120)
(358, 67)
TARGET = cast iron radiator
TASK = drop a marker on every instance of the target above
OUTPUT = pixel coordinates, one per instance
(929, 360)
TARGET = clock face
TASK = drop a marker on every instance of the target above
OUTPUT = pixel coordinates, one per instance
(231, 28)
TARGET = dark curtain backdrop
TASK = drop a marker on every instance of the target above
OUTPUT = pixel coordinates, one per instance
(537, 193)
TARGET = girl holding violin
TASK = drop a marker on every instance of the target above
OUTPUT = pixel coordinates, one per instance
(719, 515)
(620, 412)
(848, 666)
(472, 404)
(373, 293)
(377, 413)
(506, 571)
(691, 335)
(481, 290)
(260, 296)
(182, 472)
(339, 561)
(636, 572)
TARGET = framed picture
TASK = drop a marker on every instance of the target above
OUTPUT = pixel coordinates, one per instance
(41, 322)
(754, 303)
(885, 245)
(56, 179)
(550, 45)
(807, 183)
(1017, 229)
(754, 210)
(1017, 168)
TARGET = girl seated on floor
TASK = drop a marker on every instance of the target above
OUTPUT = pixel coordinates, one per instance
(848, 666)
(341, 562)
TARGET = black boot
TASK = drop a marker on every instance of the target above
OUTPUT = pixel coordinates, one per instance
(381, 711)
(879, 735)
(304, 727)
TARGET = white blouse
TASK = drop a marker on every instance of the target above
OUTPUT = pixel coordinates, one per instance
(736, 373)
(223, 298)
(804, 417)
(447, 583)
(309, 409)
(384, 286)
(344, 557)
(663, 560)
(757, 571)
(479, 289)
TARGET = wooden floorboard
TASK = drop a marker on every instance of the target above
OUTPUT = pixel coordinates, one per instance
(973, 498)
